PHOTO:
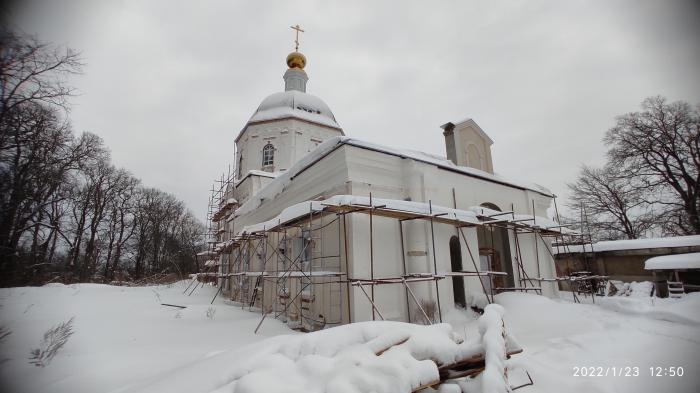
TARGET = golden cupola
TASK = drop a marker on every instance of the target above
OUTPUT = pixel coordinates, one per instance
(295, 78)
(296, 60)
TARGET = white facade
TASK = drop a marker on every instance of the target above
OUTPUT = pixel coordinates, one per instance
(291, 138)
(312, 162)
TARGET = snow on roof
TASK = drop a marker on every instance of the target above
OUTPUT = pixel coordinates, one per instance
(444, 163)
(677, 261)
(304, 208)
(255, 172)
(526, 219)
(297, 104)
(272, 189)
(635, 244)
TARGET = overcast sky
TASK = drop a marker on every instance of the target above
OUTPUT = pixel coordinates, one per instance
(169, 84)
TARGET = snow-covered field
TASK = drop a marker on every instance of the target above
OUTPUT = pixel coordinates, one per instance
(126, 341)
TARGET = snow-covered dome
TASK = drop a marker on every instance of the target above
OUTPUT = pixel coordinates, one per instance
(294, 103)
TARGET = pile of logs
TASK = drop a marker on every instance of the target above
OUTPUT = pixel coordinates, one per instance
(468, 367)
(472, 365)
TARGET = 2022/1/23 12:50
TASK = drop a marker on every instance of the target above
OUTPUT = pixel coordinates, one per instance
(674, 371)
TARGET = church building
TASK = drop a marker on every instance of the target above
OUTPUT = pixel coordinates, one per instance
(319, 229)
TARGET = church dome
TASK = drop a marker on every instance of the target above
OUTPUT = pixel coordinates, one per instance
(296, 60)
(296, 104)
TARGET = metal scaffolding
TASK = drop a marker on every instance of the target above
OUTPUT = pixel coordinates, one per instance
(264, 261)
(284, 269)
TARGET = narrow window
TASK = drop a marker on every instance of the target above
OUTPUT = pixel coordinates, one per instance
(457, 281)
(268, 155)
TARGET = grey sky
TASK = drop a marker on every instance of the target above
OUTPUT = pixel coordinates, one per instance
(169, 84)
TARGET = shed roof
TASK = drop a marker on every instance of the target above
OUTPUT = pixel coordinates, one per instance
(635, 244)
(673, 262)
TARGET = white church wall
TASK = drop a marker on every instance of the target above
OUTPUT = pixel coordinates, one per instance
(374, 173)
(385, 253)
(391, 176)
(514, 258)
(391, 299)
(291, 138)
(394, 177)
(250, 185)
(310, 302)
(537, 262)
(419, 258)
(244, 190)
(327, 178)
(308, 136)
(442, 235)
(547, 269)
(472, 285)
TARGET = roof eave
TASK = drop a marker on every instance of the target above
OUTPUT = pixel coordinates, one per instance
(256, 122)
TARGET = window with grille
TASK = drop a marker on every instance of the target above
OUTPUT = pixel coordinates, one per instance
(268, 155)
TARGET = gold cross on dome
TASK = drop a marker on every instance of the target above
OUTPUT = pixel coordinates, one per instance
(296, 41)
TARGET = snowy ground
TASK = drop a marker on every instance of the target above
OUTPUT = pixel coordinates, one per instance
(122, 334)
(125, 341)
(559, 336)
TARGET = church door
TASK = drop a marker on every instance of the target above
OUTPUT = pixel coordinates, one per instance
(456, 261)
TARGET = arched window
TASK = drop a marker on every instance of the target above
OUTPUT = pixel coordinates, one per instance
(474, 157)
(491, 206)
(268, 155)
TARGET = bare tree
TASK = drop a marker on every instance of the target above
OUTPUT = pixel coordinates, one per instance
(37, 149)
(613, 204)
(32, 71)
(64, 208)
(36, 161)
(121, 224)
(168, 235)
(660, 146)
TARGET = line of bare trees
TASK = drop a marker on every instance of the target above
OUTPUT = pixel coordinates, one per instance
(650, 184)
(65, 211)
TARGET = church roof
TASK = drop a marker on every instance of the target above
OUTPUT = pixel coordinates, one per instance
(279, 184)
(295, 104)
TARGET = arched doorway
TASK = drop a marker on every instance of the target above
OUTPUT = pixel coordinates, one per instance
(494, 253)
(456, 262)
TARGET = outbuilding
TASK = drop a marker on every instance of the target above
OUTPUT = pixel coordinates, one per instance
(674, 275)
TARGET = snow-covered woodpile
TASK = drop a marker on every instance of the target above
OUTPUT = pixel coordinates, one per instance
(378, 357)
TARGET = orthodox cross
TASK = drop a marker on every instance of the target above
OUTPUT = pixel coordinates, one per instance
(296, 41)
